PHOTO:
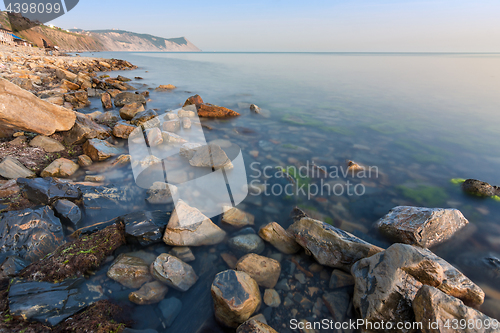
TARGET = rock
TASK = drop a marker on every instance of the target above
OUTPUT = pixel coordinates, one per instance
(19, 141)
(279, 238)
(338, 304)
(173, 272)
(229, 259)
(265, 271)
(79, 99)
(170, 116)
(123, 78)
(11, 168)
(249, 243)
(213, 111)
(161, 193)
(125, 98)
(23, 83)
(184, 253)
(236, 297)
(48, 144)
(479, 188)
(254, 108)
(129, 111)
(193, 100)
(113, 92)
(172, 138)
(189, 227)
(46, 191)
(78, 257)
(144, 117)
(106, 101)
(84, 160)
(64, 74)
(150, 293)
(236, 217)
(439, 312)
(188, 150)
(132, 272)
(170, 309)
(68, 212)
(123, 130)
(9, 188)
(331, 246)
(108, 117)
(22, 110)
(100, 150)
(69, 85)
(425, 227)
(340, 279)
(61, 168)
(186, 123)
(30, 233)
(186, 113)
(154, 137)
(94, 178)
(171, 125)
(210, 156)
(165, 87)
(85, 129)
(272, 298)
(254, 326)
(387, 282)
(95, 92)
(12, 266)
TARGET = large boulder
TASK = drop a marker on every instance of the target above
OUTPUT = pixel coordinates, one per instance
(330, 246)
(45, 191)
(421, 226)
(173, 272)
(265, 271)
(125, 98)
(20, 109)
(387, 283)
(189, 227)
(279, 238)
(84, 129)
(30, 233)
(11, 168)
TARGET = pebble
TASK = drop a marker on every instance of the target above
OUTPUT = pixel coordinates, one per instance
(272, 298)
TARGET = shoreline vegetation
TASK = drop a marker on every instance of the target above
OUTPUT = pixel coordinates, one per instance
(52, 158)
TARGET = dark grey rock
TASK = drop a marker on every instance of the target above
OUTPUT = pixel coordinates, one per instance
(170, 309)
(249, 243)
(479, 188)
(12, 266)
(46, 191)
(68, 212)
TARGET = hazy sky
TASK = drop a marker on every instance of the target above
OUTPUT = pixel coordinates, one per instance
(306, 25)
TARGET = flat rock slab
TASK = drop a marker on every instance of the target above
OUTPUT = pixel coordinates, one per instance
(48, 144)
(421, 226)
(61, 168)
(46, 191)
(11, 168)
(100, 150)
(331, 246)
(68, 212)
(173, 272)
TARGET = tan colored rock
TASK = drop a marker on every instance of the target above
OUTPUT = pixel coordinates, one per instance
(100, 150)
(11, 168)
(213, 111)
(188, 150)
(106, 101)
(64, 74)
(165, 87)
(132, 272)
(265, 271)
(254, 326)
(279, 238)
(236, 217)
(129, 111)
(150, 293)
(22, 110)
(236, 297)
(48, 144)
(210, 156)
(60, 168)
(173, 272)
(272, 298)
(154, 136)
(84, 160)
(65, 84)
(79, 99)
(123, 129)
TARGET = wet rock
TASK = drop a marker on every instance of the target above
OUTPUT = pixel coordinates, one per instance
(254, 108)
(144, 118)
(170, 309)
(265, 271)
(94, 178)
(331, 246)
(100, 150)
(11, 168)
(48, 144)
(11, 266)
(9, 188)
(338, 304)
(84, 160)
(210, 156)
(188, 150)
(437, 312)
(229, 259)
(186, 113)
(123, 130)
(272, 298)
(125, 98)
(68, 212)
(30, 233)
(173, 272)
(45, 191)
(171, 125)
(189, 227)
(194, 100)
(236, 217)
(150, 293)
(249, 243)
(108, 117)
(129, 111)
(106, 101)
(340, 279)
(213, 111)
(184, 253)
(78, 257)
(85, 129)
(61, 168)
(254, 326)
(132, 272)
(236, 297)
(279, 238)
(79, 99)
(172, 138)
(186, 123)
(23, 110)
(161, 193)
(123, 78)
(479, 188)
(102, 202)
(154, 137)
(387, 282)
(421, 226)
(165, 87)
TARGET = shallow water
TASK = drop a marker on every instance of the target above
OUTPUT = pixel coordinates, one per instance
(419, 119)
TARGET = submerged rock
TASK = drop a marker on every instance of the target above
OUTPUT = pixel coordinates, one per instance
(272, 298)
(249, 243)
(265, 271)
(236, 297)
(171, 125)
(480, 188)
(11, 168)
(100, 150)
(236, 217)
(46, 191)
(173, 272)
(421, 226)
(255, 326)
(150, 293)
(331, 246)
(279, 238)
(125, 98)
(132, 272)
(30, 233)
(161, 193)
(61, 168)
(188, 150)
(210, 156)
(154, 136)
(48, 144)
(170, 309)
(184, 253)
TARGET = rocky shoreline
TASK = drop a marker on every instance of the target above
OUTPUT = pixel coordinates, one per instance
(64, 251)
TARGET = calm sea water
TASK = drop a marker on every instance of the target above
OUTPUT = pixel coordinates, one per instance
(421, 119)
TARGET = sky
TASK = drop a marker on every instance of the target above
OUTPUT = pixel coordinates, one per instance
(306, 25)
